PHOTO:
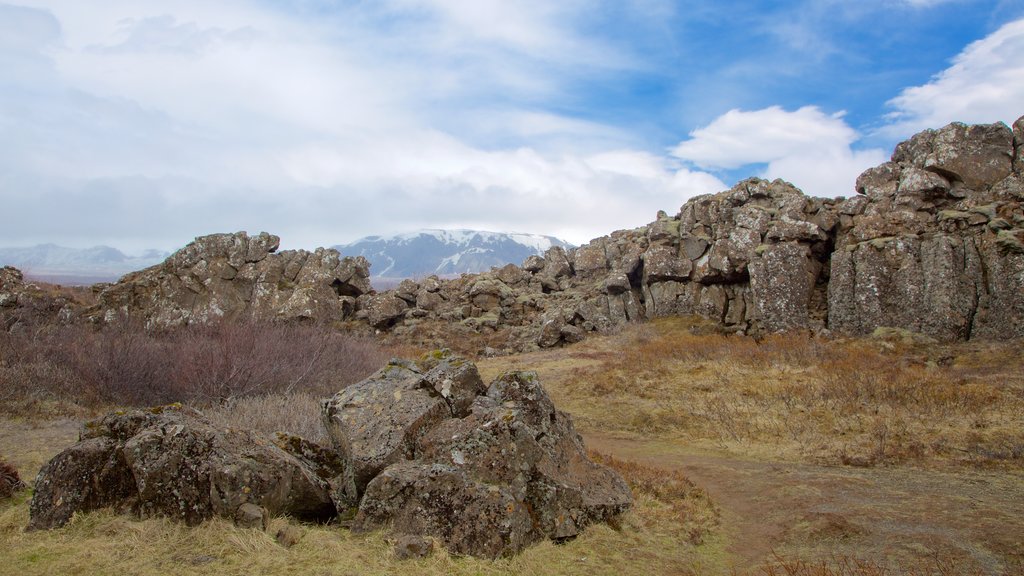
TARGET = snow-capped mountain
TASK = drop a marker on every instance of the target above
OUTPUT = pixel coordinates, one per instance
(54, 263)
(445, 252)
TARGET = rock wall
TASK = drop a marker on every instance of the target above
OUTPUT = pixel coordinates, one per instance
(933, 242)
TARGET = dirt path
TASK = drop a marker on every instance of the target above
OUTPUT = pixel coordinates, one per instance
(965, 520)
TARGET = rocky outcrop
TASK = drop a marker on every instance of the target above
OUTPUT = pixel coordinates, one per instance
(24, 302)
(754, 258)
(429, 451)
(933, 243)
(173, 462)
(235, 276)
(486, 470)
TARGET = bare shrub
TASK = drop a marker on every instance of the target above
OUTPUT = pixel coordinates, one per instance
(297, 413)
(205, 365)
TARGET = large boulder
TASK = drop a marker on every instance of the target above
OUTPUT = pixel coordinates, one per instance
(486, 470)
(171, 461)
(377, 422)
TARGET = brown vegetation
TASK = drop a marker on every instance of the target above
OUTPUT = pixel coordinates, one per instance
(861, 402)
(894, 412)
(9, 479)
(51, 368)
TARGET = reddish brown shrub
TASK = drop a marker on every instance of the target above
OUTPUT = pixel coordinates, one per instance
(10, 482)
(128, 365)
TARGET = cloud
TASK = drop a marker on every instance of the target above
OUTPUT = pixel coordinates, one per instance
(985, 83)
(143, 125)
(808, 147)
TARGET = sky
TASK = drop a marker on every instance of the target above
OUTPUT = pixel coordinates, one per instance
(144, 123)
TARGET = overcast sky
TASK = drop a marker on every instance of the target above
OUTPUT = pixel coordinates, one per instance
(144, 123)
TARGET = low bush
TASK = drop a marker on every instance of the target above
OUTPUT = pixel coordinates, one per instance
(10, 482)
(127, 365)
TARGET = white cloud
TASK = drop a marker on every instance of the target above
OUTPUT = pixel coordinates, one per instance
(985, 83)
(146, 123)
(808, 147)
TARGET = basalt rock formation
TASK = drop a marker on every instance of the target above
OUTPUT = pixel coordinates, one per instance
(234, 276)
(932, 242)
(171, 461)
(432, 453)
(487, 470)
(21, 301)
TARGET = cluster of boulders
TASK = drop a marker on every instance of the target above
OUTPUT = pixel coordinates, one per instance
(428, 450)
(933, 243)
(235, 276)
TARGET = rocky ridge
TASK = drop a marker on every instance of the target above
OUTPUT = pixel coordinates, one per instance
(235, 276)
(426, 449)
(933, 242)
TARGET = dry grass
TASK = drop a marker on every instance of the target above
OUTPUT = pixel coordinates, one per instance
(846, 566)
(864, 402)
(859, 402)
(296, 413)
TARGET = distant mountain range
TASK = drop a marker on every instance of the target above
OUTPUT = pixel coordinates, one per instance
(445, 252)
(62, 265)
(414, 255)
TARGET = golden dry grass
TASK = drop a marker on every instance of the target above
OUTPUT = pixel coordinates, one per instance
(792, 396)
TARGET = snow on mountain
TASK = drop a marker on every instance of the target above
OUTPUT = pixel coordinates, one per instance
(446, 252)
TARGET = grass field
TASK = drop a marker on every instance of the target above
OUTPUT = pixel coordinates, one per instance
(786, 455)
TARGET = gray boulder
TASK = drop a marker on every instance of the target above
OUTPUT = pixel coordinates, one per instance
(172, 462)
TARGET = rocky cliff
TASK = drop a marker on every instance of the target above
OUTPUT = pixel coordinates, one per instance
(932, 242)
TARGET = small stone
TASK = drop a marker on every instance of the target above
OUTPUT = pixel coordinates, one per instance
(250, 515)
(411, 546)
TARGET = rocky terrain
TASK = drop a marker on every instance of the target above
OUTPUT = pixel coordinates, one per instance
(428, 450)
(933, 242)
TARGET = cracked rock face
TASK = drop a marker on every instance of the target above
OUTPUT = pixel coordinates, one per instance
(934, 246)
(235, 276)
